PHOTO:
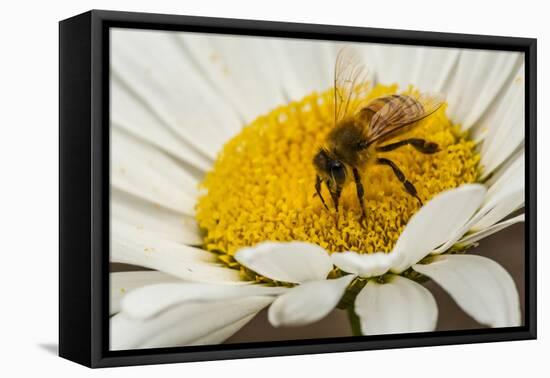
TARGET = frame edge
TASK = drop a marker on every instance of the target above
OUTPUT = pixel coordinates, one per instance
(75, 275)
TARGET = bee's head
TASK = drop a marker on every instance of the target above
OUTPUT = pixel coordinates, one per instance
(332, 170)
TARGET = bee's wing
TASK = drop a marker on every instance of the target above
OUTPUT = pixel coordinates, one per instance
(401, 111)
(350, 83)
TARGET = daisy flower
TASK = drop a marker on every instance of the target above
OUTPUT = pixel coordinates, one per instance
(212, 189)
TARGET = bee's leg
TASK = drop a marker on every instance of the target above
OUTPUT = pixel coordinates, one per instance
(336, 196)
(409, 187)
(360, 191)
(318, 190)
(420, 145)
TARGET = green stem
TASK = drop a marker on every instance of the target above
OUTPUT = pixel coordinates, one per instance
(354, 321)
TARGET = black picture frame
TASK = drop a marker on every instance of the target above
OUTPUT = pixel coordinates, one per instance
(84, 187)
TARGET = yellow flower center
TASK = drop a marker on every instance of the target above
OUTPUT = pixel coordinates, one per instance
(262, 186)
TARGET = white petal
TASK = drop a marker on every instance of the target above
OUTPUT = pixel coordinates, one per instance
(431, 68)
(364, 265)
(157, 68)
(308, 302)
(503, 128)
(294, 262)
(427, 68)
(239, 68)
(184, 325)
(137, 247)
(397, 306)
(435, 223)
(476, 236)
(504, 168)
(146, 172)
(162, 222)
(480, 286)
(128, 113)
(506, 175)
(123, 282)
(151, 300)
(503, 197)
(219, 336)
(305, 65)
(479, 77)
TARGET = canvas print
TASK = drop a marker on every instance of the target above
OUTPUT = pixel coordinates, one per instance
(270, 189)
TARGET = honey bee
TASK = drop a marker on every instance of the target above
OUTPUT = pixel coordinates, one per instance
(361, 128)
